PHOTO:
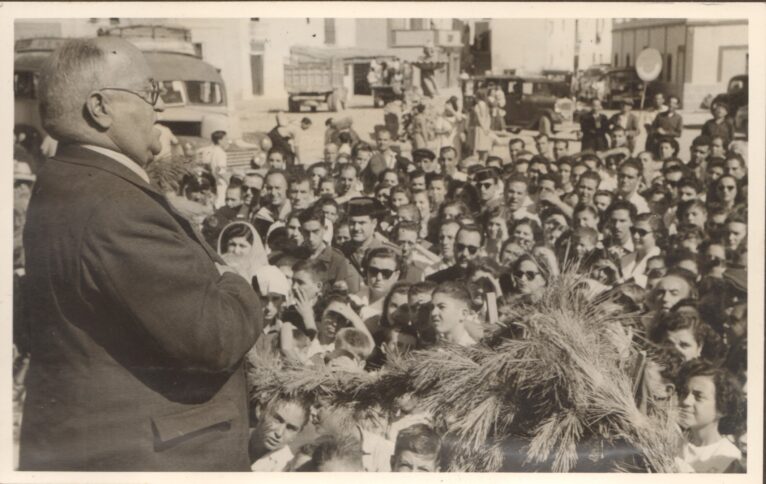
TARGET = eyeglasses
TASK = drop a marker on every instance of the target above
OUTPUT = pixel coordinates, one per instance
(472, 249)
(373, 272)
(486, 186)
(154, 92)
(528, 275)
(639, 231)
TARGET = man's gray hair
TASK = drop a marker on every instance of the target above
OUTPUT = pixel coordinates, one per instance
(69, 75)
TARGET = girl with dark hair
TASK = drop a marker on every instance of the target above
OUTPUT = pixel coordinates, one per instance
(712, 406)
(527, 233)
(691, 336)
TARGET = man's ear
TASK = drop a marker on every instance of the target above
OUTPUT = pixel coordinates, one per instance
(99, 110)
(258, 411)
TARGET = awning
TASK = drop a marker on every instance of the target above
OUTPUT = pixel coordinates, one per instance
(348, 54)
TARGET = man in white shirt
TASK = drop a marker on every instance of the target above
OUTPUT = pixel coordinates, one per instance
(628, 178)
(279, 423)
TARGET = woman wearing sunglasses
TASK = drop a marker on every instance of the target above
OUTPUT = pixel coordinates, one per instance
(648, 234)
(528, 277)
(726, 192)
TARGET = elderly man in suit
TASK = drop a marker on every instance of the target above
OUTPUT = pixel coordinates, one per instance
(139, 330)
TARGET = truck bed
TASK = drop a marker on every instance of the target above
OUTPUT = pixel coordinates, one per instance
(313, 77)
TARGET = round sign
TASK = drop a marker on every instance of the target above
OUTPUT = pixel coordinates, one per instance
(649, 64)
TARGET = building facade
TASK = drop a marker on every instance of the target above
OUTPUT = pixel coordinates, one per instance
(534, 45)
(699, 55)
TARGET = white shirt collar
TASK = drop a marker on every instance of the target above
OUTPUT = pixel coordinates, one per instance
(121, 159)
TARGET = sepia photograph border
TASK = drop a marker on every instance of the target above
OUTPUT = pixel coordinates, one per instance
(754, 13)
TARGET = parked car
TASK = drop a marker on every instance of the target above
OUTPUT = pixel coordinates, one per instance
(736, 96)
(528, 99)
(592, 82)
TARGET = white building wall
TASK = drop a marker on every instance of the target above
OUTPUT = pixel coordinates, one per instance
(701, 55)
(709, 41)
(277, 35)
(519, 44)
(536, 44)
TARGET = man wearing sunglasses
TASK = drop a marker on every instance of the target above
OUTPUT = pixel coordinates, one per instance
(468, 242)
(363, 215)
(139, 329)
(381, 271)
(487, 184)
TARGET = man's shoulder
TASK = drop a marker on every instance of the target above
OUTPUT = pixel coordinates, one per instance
(332, 255)
(448, 274)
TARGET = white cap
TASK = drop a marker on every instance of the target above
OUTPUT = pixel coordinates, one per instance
(271, 281)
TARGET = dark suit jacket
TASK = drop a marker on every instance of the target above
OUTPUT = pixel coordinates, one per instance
(137, 342)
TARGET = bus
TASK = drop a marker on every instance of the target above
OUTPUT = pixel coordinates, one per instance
(193, 91)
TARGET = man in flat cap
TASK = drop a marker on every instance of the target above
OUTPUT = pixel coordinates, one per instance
(425, 160)
(363, 216)
(139, 330)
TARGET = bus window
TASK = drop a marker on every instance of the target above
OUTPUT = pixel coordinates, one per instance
(25, 85)
(204, 92)
(172, 92)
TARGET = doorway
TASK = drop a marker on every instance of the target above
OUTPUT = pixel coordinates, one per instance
(361, 86)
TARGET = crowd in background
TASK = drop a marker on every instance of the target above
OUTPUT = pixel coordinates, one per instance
(379, 249)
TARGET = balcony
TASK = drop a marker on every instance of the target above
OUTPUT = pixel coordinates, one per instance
(419, 38)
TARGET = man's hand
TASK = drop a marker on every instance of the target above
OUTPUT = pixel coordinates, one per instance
(222, 269)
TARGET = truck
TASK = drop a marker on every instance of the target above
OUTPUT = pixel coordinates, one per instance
(193, 91)
(314, 77)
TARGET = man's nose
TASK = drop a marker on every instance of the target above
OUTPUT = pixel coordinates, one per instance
(159, 106)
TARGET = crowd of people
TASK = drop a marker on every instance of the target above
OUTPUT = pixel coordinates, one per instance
(377, 252)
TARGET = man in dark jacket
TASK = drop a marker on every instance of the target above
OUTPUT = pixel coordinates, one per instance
(138, 329)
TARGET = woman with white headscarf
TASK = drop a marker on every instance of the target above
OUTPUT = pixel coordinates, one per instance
(241, 248)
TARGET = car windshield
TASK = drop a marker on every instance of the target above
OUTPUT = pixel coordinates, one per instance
(204, 92)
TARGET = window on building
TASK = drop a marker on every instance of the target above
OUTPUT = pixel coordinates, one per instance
(627, 60)
(418, 24)
(616, 60)
(114, 21)
(329, 31)
(669, 69)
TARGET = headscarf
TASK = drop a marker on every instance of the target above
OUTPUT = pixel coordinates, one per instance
(246, 265)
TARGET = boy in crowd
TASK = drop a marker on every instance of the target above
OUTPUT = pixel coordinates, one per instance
(418, 449)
